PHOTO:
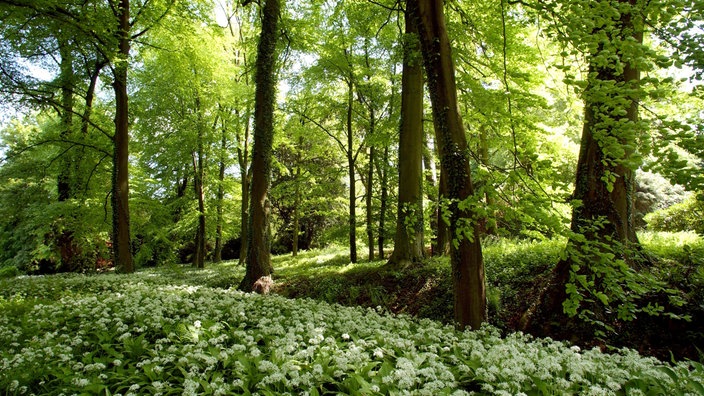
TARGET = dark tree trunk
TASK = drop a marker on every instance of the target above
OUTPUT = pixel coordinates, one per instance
(466, 253)
(258, 249)
(408, 240)
(90, 95)
(246, 176)
(431, 194)
(350, 165)
(122, 255)
(68, 250)
(64, 180)
(198, 157)
(368, 199)
(93, 75)
(610, 116)
(297, 199)
(443, 236)
(217, 253)
(381, 239)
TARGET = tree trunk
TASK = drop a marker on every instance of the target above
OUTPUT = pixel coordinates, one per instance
(431, 194)
(368, 198)
(443, 236)
(217, 253)
(122, 254)
(408, 240)
(484, 155)
(297, 199)
(350, 165)
(246, 176)
(381, 239)
(258, 249)
(604, 183)
(198, 157)
(466, 254)
(68, 251)
(66, 77)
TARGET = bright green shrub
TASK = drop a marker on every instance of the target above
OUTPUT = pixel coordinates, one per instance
(685, 216)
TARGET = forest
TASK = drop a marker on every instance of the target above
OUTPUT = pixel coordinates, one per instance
(352, 197)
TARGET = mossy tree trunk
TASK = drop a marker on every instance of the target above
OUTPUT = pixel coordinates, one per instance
(408, 240)
(465, 253)
(258, 263)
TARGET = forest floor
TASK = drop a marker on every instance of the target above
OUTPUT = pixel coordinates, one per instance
(514, 271)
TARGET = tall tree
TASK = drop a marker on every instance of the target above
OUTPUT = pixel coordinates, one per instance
(603, 252)
(408, 240)
(122, 255)
(258, 249)
(220, 195)
(466, 254)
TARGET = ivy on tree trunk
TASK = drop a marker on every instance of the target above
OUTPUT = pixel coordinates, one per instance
(465, 254)
(258, 263)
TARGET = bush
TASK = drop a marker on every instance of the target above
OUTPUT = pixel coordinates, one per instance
(9, 272)
(685, 216)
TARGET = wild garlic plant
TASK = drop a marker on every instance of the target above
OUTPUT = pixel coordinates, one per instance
(145, 334)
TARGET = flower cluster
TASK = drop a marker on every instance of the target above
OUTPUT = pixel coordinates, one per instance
(146, 334)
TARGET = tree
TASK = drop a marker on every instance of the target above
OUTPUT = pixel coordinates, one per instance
(122, 256)
(603, 254)
(408, 240)
(466, 254)
(258, 249)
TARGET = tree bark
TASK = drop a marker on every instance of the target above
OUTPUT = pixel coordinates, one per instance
(369, 205)
(220, 195)
(352, 179)
(408, 240)
(122, 254)
(610, 116)
(258, 249)
(198, 157)
(381, 237)
(246, 177)
(68, 250)
(431, 194)
(297, 198)
(66, 77)
(466, 254)
(443, 236)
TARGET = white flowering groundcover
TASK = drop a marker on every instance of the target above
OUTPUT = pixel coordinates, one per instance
(143, 334)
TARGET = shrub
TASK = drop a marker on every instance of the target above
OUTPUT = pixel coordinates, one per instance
(9, 271)
(685, 216)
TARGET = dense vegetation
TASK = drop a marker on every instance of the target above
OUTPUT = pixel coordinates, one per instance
(505, 162)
